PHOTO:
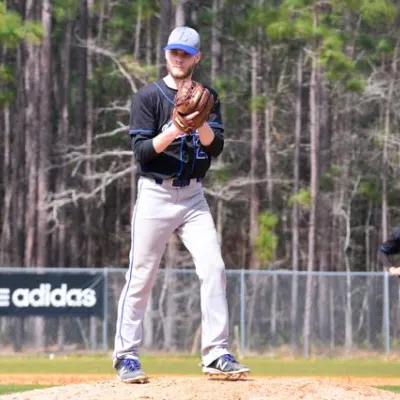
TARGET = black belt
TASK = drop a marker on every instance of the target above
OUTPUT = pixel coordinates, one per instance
(178, 182)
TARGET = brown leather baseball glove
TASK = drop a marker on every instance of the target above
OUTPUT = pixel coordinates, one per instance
(192, 96)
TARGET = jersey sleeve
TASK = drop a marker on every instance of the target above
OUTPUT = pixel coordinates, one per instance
(385, 259)
(142, 127)
(391, 246)
(388, 248)
(142, 118)
(215, 123)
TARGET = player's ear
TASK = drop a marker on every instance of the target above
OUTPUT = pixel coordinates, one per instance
(197, 57)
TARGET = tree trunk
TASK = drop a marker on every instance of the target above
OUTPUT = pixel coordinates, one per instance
(89, 136)
(62, 138)
(295, 206)
(5, 238)
(138, 29)
(314, 196)
(274, 316)
(44, 135)
(149, 41)
(180, 18)
(43, 153)
(5, 126)
(32, 80)
(324, 209)
(117, 226)
(216, 48)
(18, 168)
(89, 220)
(254, 148)
(367, 234)
(384, 173)
(348, 331)
(268, 154)
(220, 220)
(79, 120)
(164, 31)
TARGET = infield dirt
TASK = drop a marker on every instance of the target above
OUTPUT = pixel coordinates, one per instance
(199, 388)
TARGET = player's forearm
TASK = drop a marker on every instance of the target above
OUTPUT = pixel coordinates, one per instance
(211, 140)
(206, 134)
(164, 139)
(146, 149)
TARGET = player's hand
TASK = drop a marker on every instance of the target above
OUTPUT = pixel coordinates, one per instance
(394, 271)
(189, 117)
(192, 106)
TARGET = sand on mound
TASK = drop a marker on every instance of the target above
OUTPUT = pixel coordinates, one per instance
(199, 388)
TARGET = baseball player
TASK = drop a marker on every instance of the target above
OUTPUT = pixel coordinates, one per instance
(388, 248)
(171, 165)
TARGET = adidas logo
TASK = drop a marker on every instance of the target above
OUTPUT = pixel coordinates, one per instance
(45, 296)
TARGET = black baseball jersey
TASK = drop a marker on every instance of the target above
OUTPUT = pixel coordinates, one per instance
(185, 157)
(390, 247)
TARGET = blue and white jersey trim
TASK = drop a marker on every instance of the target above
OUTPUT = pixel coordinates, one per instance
(164, 94)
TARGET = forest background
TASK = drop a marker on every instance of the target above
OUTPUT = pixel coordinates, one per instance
(309, 176)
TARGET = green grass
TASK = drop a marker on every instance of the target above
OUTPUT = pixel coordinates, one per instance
(20, 388)
(390, 388)
(188, 365)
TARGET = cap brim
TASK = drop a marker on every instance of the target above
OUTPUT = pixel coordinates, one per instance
(191, 50)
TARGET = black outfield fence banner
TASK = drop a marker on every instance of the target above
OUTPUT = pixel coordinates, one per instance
(51, 294)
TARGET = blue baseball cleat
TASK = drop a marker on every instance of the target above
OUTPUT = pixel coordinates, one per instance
(129, 370)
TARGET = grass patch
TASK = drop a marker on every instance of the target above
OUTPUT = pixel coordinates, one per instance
(189, 365)
(390, 388)
(4, 389)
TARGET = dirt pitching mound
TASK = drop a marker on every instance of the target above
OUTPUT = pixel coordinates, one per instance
(198, 388)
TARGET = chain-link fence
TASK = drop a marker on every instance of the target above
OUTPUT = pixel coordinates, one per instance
(348, 313)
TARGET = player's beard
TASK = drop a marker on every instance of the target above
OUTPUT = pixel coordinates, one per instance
(181, 74)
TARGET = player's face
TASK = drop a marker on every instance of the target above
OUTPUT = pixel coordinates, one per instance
(180, 64)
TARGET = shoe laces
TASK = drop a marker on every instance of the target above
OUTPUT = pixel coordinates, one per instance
(229, 357)
(132, 364)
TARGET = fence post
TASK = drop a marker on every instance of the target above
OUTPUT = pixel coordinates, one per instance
(386, 310)
(242, 312)
(105, 309)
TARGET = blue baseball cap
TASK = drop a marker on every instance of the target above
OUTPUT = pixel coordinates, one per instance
(184, 38)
